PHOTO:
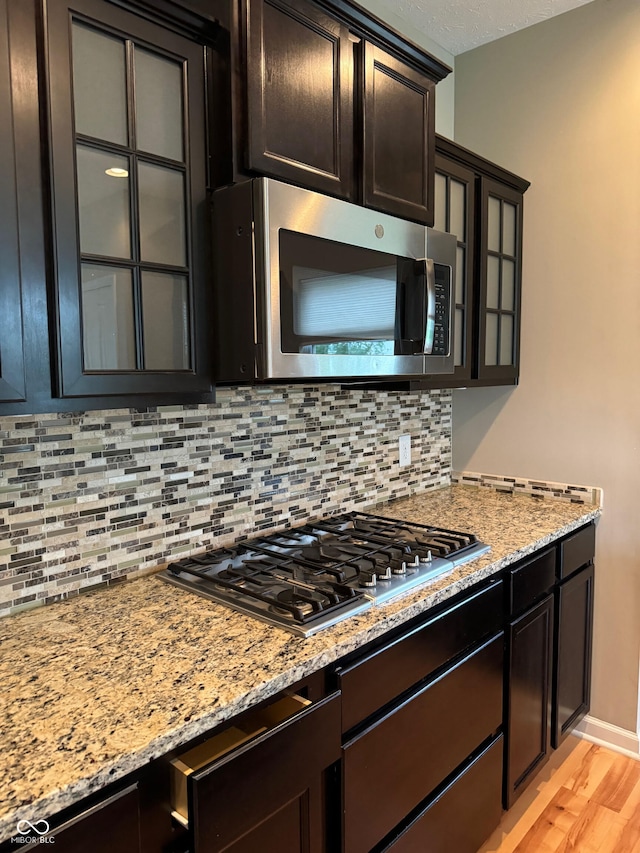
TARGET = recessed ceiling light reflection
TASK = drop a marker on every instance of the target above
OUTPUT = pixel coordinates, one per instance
(115, 172)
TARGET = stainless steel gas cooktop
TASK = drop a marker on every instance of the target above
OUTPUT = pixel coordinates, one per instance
(310, 577)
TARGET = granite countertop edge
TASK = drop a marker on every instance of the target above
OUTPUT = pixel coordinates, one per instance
(361, 629)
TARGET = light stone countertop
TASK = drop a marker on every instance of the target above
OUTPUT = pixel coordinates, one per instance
(96, 686)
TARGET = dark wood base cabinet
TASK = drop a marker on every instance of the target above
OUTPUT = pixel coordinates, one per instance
(464, 814)
(412, 743)
(269, 795)
(529, 699)
(573, 634)
(409, 731)
(548, 673)
(574, 618)
(398, 762)
(111, 825)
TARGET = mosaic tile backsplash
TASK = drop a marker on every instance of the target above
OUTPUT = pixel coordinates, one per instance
(93, 498)
(535, 488)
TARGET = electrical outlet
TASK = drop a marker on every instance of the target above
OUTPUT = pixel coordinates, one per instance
(404, 451)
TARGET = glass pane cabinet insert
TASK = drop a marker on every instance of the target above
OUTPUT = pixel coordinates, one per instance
(130, 172)
(134, 107)
(454, 213)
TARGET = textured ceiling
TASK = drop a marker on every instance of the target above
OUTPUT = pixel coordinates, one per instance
(459, 25)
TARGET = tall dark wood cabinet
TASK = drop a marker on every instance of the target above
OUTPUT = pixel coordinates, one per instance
(299, 104)
(320, 90)
(126, 116)
(482, 204)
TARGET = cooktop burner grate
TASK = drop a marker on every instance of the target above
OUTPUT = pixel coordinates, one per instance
(310, 577)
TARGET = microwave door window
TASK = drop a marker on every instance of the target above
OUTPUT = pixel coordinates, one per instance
(344, 314)
(337, 299)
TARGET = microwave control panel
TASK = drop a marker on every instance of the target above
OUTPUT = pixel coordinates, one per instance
(443, 302)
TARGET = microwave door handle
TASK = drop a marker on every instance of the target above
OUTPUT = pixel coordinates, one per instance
(430, 304)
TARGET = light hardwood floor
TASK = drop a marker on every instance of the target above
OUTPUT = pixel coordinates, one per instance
(585, 800)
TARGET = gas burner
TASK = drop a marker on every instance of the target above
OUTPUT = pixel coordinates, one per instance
(313, 576)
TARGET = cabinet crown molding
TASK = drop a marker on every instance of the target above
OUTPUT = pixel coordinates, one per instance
(470, 159)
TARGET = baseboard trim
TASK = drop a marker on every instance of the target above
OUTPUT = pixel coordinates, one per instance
(609, 736)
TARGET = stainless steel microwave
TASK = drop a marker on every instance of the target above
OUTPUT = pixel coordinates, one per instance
(312, 287)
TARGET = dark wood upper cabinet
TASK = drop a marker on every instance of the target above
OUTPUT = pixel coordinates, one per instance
(482, 204)
(299, 95)
(500, 277)
(127, 133)
(399, 137)
(25, 367)
(454, 209)
(323, 100)
(12, 367)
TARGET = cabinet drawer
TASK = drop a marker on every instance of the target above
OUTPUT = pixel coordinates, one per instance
(372, 683)
(257, 782)
(465, 814)
(225, 741)
(532, 581)
(415, 747)
(576, 551)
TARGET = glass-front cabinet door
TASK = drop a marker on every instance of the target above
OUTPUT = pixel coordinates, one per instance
(455, 214)
(500, 277)
(127, 121)
(12, 378)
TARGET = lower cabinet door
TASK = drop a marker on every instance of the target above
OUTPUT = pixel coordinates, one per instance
(464, 814)
(529, 697)
(574, 620)
(395, 764)
(113, 824)
(269, 795)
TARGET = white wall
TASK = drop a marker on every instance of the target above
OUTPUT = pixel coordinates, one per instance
(445, 91)
(559, 103)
